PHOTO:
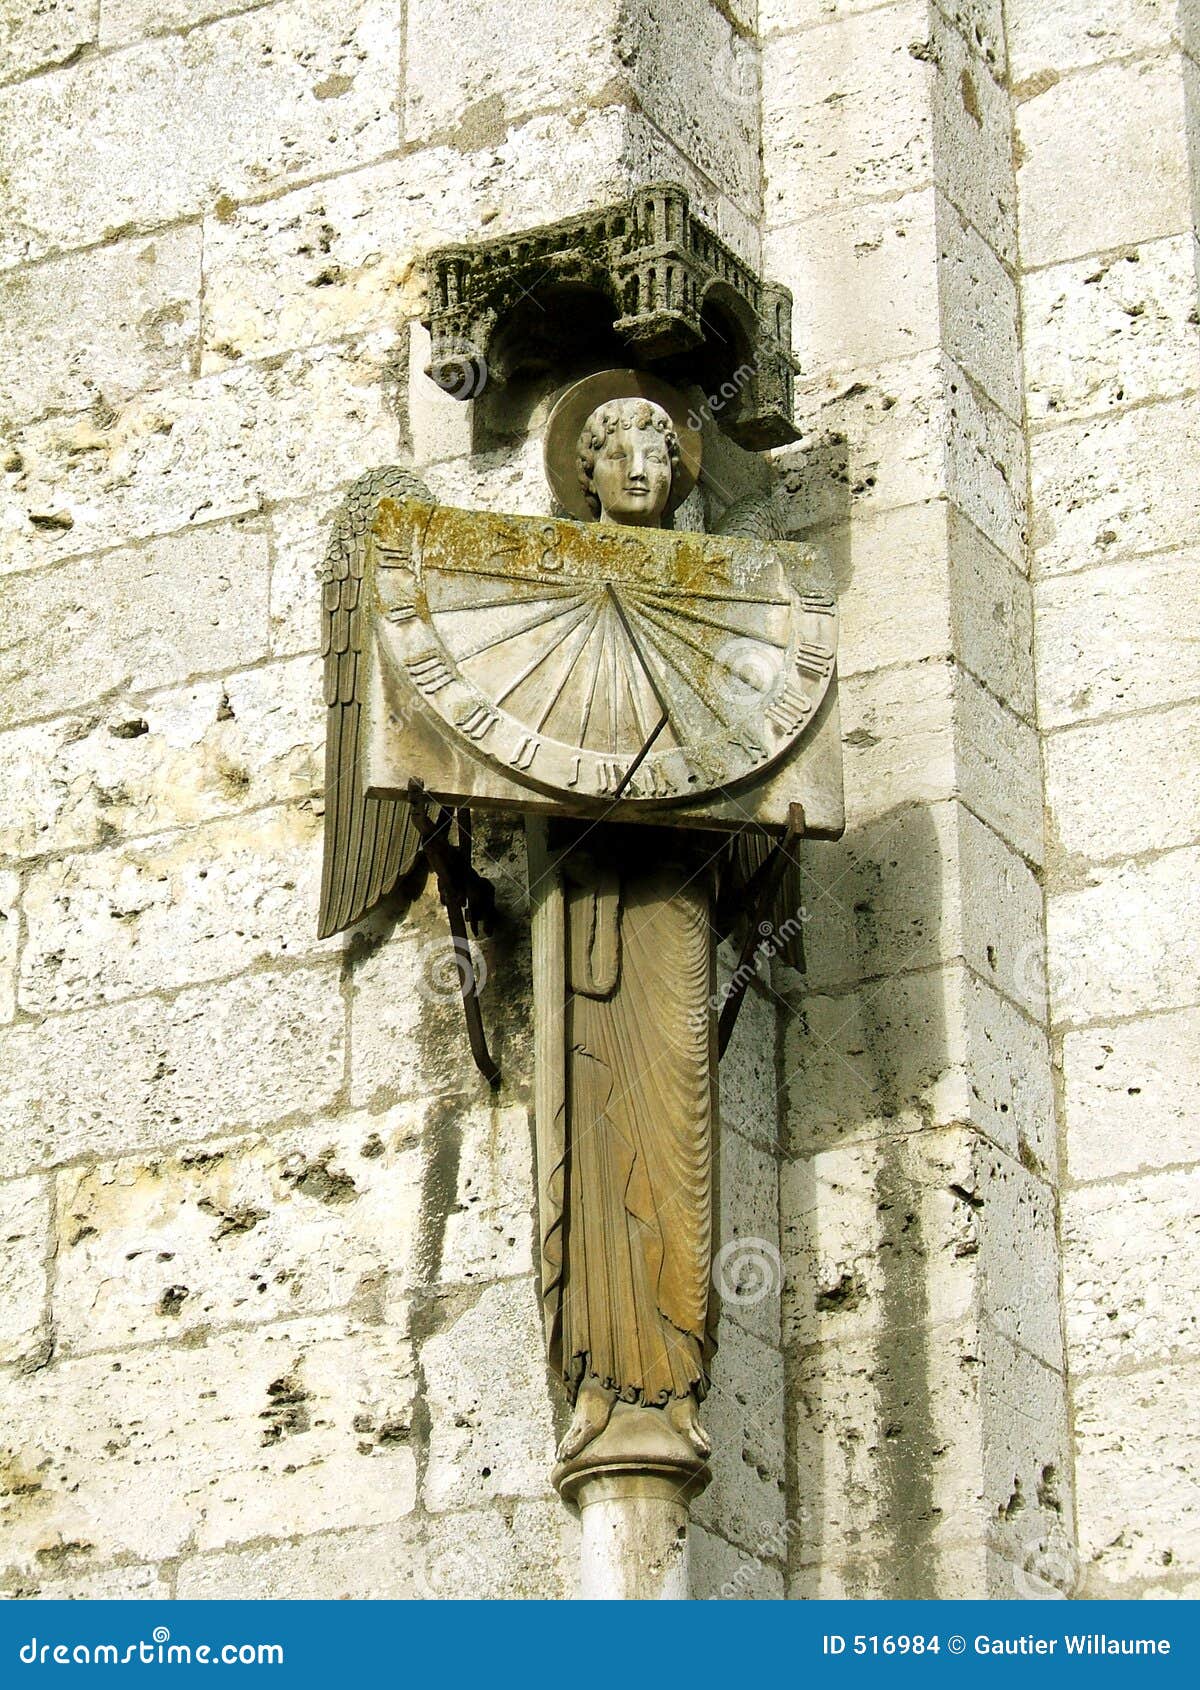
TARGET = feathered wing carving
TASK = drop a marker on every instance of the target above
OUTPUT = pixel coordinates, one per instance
(369, 842)
(764, 516)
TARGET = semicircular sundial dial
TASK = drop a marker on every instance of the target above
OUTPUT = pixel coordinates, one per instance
(602, 662)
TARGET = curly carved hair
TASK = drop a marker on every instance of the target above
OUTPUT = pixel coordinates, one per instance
(606, 420)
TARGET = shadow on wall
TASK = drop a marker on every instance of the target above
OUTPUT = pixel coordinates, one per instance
(866, 1048)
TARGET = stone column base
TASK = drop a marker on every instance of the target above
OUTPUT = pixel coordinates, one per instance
(633, 1486)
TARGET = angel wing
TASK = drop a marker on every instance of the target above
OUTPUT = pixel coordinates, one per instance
(764, 516)
(369, 842)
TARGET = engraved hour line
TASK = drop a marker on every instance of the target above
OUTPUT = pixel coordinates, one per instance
(542, 619)
(657, 631)
(543, 590)
(401, 613)
(538, 661)
(640, 589)
(711, 622)
(589, 692)
(567, 667)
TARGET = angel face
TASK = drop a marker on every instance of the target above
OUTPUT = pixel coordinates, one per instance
(627, 457)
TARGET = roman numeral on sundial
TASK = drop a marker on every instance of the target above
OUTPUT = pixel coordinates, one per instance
(429, 673)
(814, 660)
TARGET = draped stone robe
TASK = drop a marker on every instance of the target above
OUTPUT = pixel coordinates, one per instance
(626, 1110)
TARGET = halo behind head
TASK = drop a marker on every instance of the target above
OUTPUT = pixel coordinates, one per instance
(573, 408)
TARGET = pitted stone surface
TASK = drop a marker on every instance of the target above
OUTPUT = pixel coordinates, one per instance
(308, 1220)
(214, 1059)
(146, 1453)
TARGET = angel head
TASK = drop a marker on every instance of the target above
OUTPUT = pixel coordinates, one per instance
(628, 456)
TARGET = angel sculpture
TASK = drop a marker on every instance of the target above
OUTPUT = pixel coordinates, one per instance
(584, 676)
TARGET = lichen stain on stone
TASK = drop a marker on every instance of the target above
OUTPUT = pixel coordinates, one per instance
(970, 98)
(332, 87)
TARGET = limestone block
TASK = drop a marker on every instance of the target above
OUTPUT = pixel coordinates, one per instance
(944, 1572)
(1138, 1440)
(721, 1573)
(128, 20)
(1010, 1077)
(217, 1059)
(846, 112)
(303, 89)
(47, 34)
(889, 567)
(460, 91)
(697, 80)
(524, 1551)
(917, 1232)
(746, 1275)
(217, 447)
(985, 465)
(972, 135)
(489, 1402)
(1002, 926)
(744, 1415)
(885, 1058)
(1109, 331)
(1131, 1095)
(1124, 943)
(1118, 639)
(860, 282)
(96, 328)
(980, 314)
(778, 15)
(981, 23)
(1102, 161)
(999, 767)
(342, 257)
(915, 1443)
(114, 1584)
(314, 1218)
(299, 539)
(1130, 1272)
(749, 1081)
(1065, 34)
(161, 913)
(885, 898)
(1083, 476)
(991, 615)
(489, 1229)
(873, 441)
(157, 614)
(898, 737)
(249, 1434)
(165, 759)
(10, 939)
(24, 1248)
(1109, 799)
(406, 1014)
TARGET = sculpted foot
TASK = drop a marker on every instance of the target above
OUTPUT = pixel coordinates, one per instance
(684, 1415)
(593, 1409)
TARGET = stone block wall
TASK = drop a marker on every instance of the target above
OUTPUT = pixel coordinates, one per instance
(269, 1320)
(270, 1324)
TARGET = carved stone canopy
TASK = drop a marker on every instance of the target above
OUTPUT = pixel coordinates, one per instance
(649, 280)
